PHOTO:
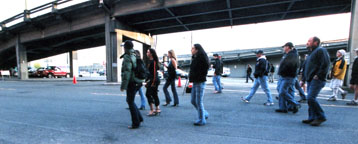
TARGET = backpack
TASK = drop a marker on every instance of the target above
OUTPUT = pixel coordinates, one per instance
(140, 72)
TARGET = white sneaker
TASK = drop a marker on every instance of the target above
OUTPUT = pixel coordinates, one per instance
(244, 100)
(268, 104)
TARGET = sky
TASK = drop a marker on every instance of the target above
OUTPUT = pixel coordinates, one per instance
(258, 35)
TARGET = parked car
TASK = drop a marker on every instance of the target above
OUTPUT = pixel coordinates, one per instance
(52, 72)
(181, 73)
(226, 72)
(211, 72)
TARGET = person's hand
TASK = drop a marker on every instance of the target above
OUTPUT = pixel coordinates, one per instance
(351, 86)
(302, 83)
(214, 74)
(315, 77)
(122, 90)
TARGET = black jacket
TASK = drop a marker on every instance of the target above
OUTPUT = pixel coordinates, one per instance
(317, 63)
(261, 67)
(354, 76)
(198, 68)
(218, 67)
(248, 70)
(289, 64)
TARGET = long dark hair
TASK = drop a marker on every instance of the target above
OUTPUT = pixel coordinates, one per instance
(155, 57)
(201, 52)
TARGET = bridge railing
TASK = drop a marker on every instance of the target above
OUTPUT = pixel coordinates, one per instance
(26, 14)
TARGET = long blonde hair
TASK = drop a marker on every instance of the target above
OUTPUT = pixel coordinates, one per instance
(172, 54)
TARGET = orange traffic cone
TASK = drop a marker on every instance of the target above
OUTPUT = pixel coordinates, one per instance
(74, 80)
(179, 82)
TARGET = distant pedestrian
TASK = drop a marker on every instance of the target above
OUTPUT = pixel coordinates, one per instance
(218, 66)
(198, 71)
(337, 74)
(129, 83)
(288, 71)
(272, 72)
(354, 80)
(140, 91)
(248, 73)
(152, 83)
(172, 66)
(260, 75)
(315, 73)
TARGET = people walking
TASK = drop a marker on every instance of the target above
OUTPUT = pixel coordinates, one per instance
(130, 84)
(152, 83)
(248, 73)
(260, 74)
(337, 74)
(288, 71)
(198, 71)
(218, 66)
(315, 72)
(172, 66)
(272, 72)
(354, 80)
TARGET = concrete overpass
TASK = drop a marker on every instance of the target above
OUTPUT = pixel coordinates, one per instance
(109, 22)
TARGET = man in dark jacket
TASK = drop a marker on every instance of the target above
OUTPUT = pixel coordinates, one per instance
(354, 80)
(315, 74)
(248, 73)
(129, 83)
(288, 72)
(217, 74)
(260, 74)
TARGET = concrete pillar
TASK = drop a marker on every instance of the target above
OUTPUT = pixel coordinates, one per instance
(73, 64)
(21, 58)
(112, 55)
(353, 37)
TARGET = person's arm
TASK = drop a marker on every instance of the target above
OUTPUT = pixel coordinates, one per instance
(126, 72)
(174, 63)
(323, 59)
(154, 74)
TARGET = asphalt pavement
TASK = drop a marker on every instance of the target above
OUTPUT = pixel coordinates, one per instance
(93, 112)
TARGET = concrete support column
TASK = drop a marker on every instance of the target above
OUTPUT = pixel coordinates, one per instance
(21, 58)
(353, 37)
(112, 70)
(73, 64)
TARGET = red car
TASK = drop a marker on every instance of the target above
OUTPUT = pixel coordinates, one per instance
(51, 72)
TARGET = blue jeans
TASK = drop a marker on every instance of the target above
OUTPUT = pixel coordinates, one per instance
(142, 98)
(314, 109)
(197, 96)
(170, 82)
(264, 85)
(217, 83)
(286, 93)
(300, 90)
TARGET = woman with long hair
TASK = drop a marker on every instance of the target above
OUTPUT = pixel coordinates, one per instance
(198, 71)
(172, 66)
(152, 83)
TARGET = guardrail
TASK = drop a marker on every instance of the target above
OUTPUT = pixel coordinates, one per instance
(26, 14)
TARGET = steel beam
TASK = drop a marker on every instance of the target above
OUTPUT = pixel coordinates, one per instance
(245, 17)
(288, 9)
(228, 3)
(178, 20)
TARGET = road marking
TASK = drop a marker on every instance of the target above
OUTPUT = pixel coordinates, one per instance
(108, 94)
(10, 89)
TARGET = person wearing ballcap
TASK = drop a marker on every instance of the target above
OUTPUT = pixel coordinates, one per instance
(354, 80)
(337, 74)
(218, 66)
(288, 71)
(261, 78)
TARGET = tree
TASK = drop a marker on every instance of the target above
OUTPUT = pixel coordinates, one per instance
(37, 65)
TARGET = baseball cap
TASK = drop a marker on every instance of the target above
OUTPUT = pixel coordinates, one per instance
(215, 55)
(289, 44)
(259, 52)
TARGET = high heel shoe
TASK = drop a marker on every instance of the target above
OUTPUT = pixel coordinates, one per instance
(157, 112)
(175, 105)
(166, 104)
(152, 113)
